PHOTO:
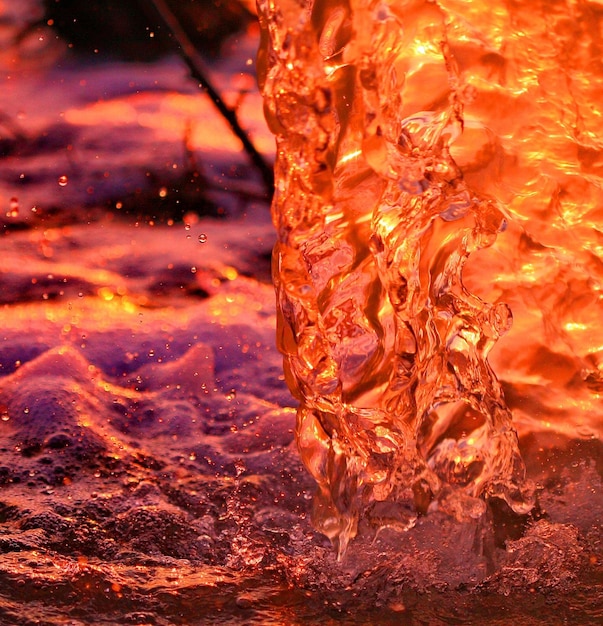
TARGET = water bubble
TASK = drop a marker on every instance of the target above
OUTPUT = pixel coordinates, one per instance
(202, 238)
(63, 180)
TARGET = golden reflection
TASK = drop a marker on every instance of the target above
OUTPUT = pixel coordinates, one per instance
(438, 204)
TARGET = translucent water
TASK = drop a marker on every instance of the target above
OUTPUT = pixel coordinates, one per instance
(410, 136)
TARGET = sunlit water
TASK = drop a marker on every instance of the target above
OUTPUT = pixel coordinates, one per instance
(425, 196)
(149, 472)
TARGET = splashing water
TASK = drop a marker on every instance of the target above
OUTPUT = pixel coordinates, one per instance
(406, 144)
(148, 472)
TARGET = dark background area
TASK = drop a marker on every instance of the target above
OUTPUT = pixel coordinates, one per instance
(131, 30)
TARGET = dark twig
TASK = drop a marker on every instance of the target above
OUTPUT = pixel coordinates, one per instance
(196, 66)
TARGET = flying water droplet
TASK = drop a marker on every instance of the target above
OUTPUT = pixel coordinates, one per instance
(13, 207)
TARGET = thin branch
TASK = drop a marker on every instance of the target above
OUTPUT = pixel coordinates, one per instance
(196, 66)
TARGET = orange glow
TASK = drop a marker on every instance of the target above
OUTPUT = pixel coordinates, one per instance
(439, 215)
(171, 116)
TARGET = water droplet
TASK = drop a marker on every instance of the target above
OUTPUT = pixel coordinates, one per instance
(202, 238)
(192, 456)
(13, 207)
(5, 417)
(63, 180)
(231, 395)
(187, 227)
(239, 465)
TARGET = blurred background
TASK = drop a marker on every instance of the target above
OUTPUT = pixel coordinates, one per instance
(98, 110)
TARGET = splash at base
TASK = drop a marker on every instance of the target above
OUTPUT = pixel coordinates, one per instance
(384, 346)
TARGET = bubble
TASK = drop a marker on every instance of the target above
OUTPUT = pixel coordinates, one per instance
(202, 238)
(63, 180)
